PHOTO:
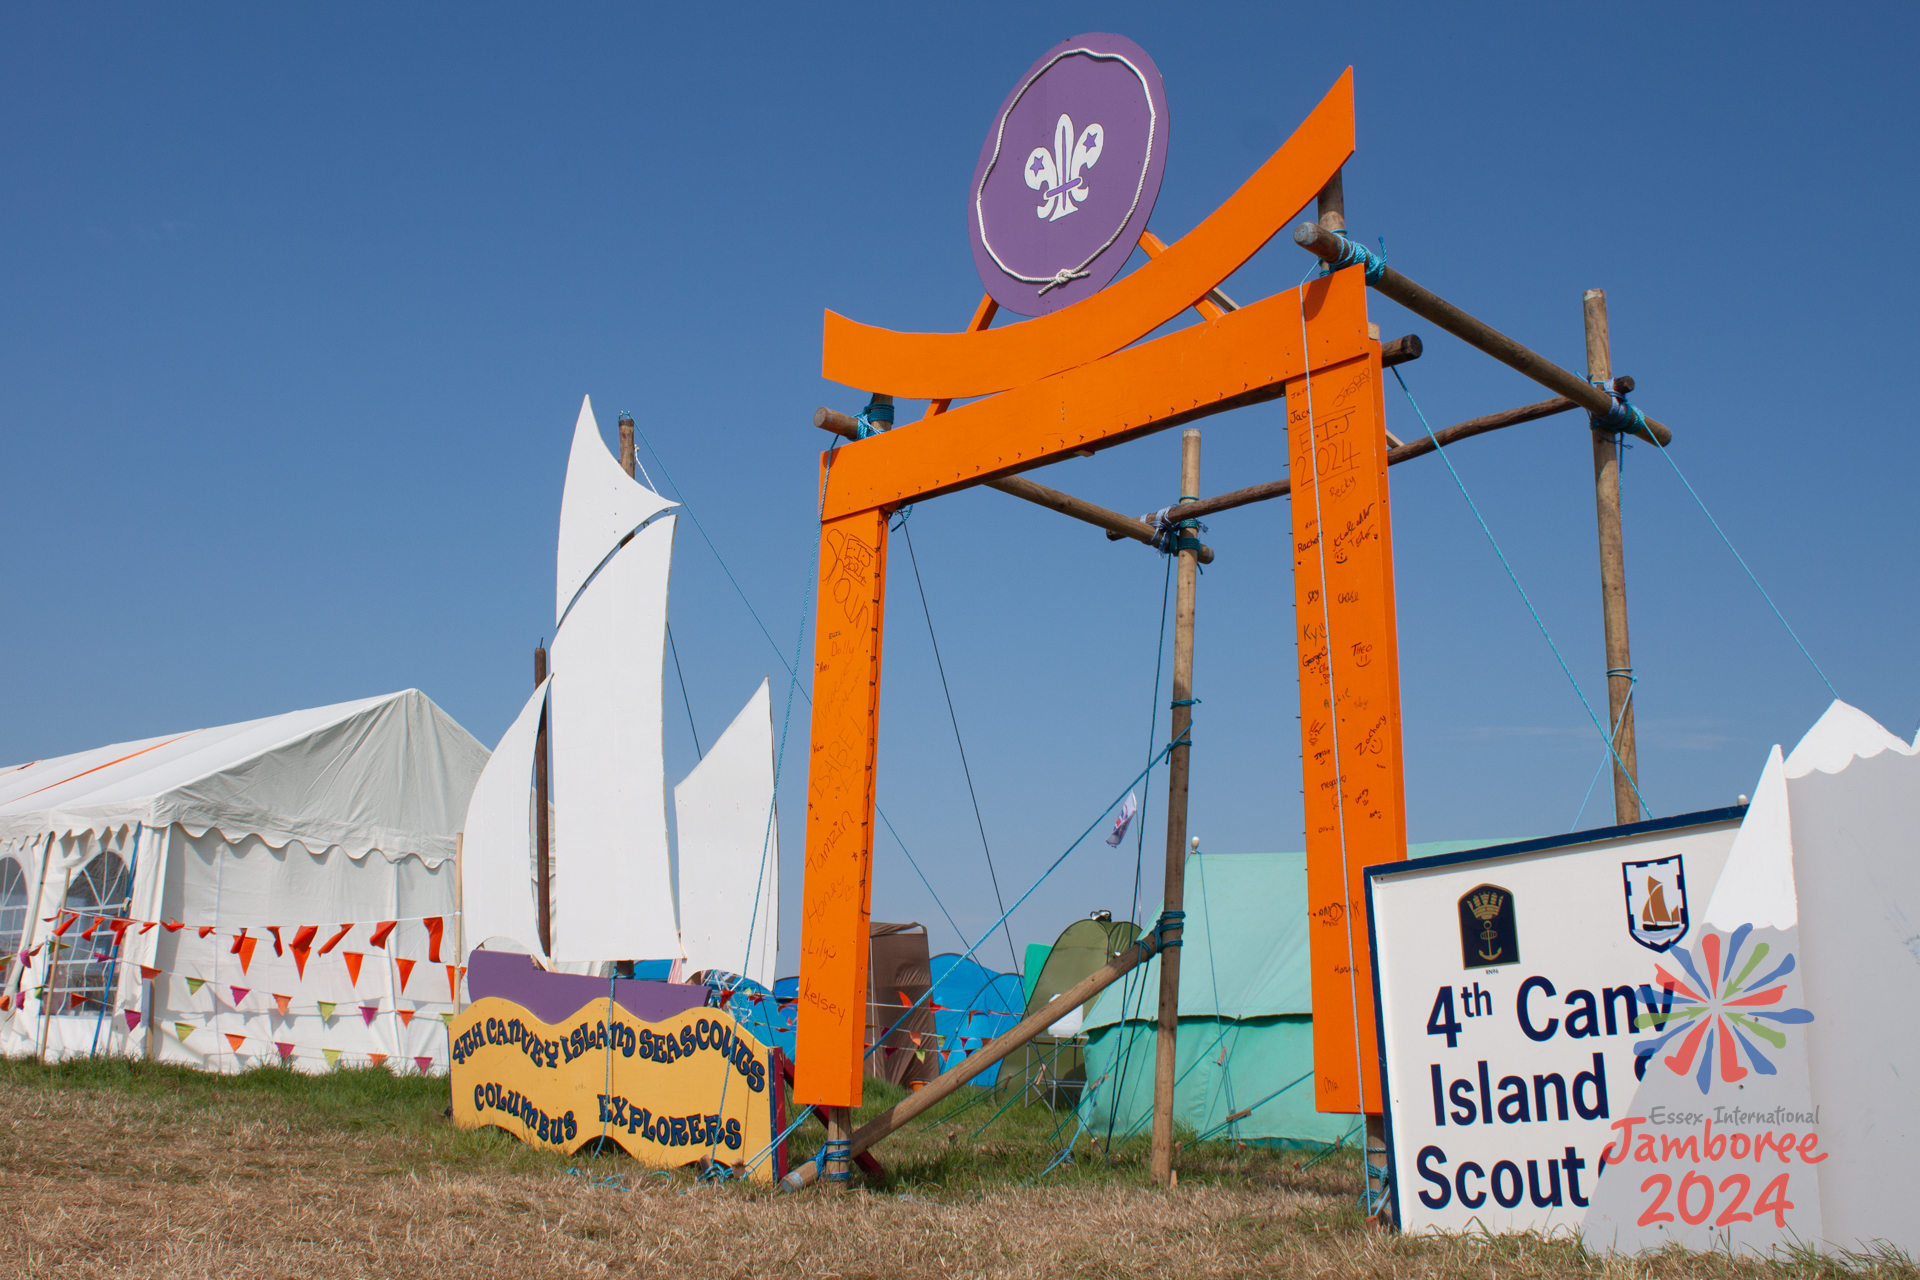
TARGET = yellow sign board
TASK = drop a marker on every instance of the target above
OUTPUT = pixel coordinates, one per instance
(669, 1093)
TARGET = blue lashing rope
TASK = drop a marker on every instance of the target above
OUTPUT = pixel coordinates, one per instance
(1524, 599)
(1354, 254)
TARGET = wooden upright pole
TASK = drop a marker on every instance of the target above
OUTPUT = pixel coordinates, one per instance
(1178, 763)
(1613, 572)
(1330, 210)
(627, 456)
(543, 847)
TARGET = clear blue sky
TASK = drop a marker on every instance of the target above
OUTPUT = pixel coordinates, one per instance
(299, 306)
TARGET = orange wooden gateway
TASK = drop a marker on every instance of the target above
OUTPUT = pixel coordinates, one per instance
(1068, 382)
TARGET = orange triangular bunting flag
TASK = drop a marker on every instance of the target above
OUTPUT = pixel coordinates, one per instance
(353, 959)
(235, 1041)
(406, 1016)
(453, 982)
(77, 999)
(376, 1058)
(334, 941)
(379, 938)
(283, 1002)
(246, 952)
(148, 972)
(205, 929)
(406, 971)
(300, 955)
(436, 925)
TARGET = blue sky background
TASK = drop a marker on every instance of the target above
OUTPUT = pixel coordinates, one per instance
(299, 307)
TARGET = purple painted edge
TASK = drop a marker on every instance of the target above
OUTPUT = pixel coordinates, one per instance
(555, 997)
(1025, 299)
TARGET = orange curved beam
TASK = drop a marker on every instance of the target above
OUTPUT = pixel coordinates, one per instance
(938, 366)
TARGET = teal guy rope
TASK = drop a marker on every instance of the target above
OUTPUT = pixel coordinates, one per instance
(1618, 720)
(1668, 455)
(1524, 599)
(1255, 1107)
(792, 668)
(1032, 889)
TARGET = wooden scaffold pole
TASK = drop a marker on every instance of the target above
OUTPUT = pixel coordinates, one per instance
(1613, 572)
(1178, 764)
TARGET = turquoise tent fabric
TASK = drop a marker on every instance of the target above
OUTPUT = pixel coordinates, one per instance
(1036, 960)
(1246, 1011)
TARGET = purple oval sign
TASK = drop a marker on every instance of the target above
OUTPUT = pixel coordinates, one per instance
(1068, 174)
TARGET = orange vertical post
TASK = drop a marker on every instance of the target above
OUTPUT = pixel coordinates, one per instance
(1350, 737)
(838, 901)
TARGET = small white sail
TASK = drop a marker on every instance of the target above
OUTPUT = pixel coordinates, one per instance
(496, 855)
(600, 505)
(612, 889)
(730, 850)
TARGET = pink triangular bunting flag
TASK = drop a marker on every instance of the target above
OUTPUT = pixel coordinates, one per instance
(367, 1011)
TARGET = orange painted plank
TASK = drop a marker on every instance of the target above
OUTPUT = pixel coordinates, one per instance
(1113, 399)
(838, 895)
(1349, 705)
(937, 366)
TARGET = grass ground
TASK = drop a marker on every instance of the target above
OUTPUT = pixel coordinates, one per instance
(127, 1169)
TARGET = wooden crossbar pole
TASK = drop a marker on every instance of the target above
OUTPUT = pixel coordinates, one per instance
(1411, 449)
(1431, 306)
(945, 1085)
(1117, 525)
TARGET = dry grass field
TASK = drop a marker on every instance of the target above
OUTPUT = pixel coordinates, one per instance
(131, 1170)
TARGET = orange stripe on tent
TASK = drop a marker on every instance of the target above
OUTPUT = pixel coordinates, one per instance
(108, 765)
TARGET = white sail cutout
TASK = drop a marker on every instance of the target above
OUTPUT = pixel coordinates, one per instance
(600, 505)
(496, 851)
(730, 850)
(612, 890)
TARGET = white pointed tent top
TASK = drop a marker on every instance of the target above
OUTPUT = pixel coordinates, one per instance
(1841, 735)
(600, 505)
(392, 773)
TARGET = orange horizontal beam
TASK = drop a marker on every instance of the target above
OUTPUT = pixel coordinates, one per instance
(944, 366)
(1144, 389)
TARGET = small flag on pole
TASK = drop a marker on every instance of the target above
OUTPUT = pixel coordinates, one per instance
(1128, 808)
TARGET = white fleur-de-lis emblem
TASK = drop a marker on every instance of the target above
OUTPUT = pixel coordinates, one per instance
(1056, 174)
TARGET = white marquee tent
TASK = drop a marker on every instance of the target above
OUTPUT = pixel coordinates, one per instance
(218, 897)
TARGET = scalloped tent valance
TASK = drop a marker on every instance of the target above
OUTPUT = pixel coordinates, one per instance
(391, 774)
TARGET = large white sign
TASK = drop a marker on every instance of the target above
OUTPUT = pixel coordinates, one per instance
(1512, 987)
(1682, 1032)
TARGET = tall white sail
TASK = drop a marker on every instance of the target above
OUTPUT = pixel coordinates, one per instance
(496, 851)
(600, 505)
(612, 890)
(730, 850)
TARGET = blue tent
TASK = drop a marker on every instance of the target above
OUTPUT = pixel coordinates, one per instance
(975, 1004)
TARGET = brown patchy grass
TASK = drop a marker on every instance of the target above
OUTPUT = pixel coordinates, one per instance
(130, 1170)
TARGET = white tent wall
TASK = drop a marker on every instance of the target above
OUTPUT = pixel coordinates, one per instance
(336, 815)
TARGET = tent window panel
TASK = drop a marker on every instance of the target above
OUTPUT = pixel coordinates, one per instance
(13, 912)
(101, 891)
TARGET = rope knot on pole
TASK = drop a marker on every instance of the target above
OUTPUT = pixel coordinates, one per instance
(1170, 535)
(1170, 922)
(867, 417)
(1354, 254)
(1620, 417)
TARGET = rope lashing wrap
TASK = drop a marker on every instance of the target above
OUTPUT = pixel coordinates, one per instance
(1170, 535)
(1184, 702)
(1169, 922)
(868, 416)
(836, 1152)
(1620, 417)
(1355, 254)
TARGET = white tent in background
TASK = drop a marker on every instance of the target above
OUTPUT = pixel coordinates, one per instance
(339, 815)
(611, 872)
(730, 850)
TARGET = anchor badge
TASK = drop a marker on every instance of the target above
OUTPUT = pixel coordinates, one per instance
(1056, 174)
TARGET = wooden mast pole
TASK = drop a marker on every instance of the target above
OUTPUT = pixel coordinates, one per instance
(1178, 764)
(542, 840)
(1613, 572)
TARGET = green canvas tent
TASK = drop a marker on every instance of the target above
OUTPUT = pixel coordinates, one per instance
(1246, 1012)
(1050, 1068)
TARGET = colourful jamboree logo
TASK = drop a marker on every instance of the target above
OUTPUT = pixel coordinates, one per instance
(1725, 1013)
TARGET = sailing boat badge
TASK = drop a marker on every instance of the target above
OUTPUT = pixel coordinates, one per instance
(1656, 901)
